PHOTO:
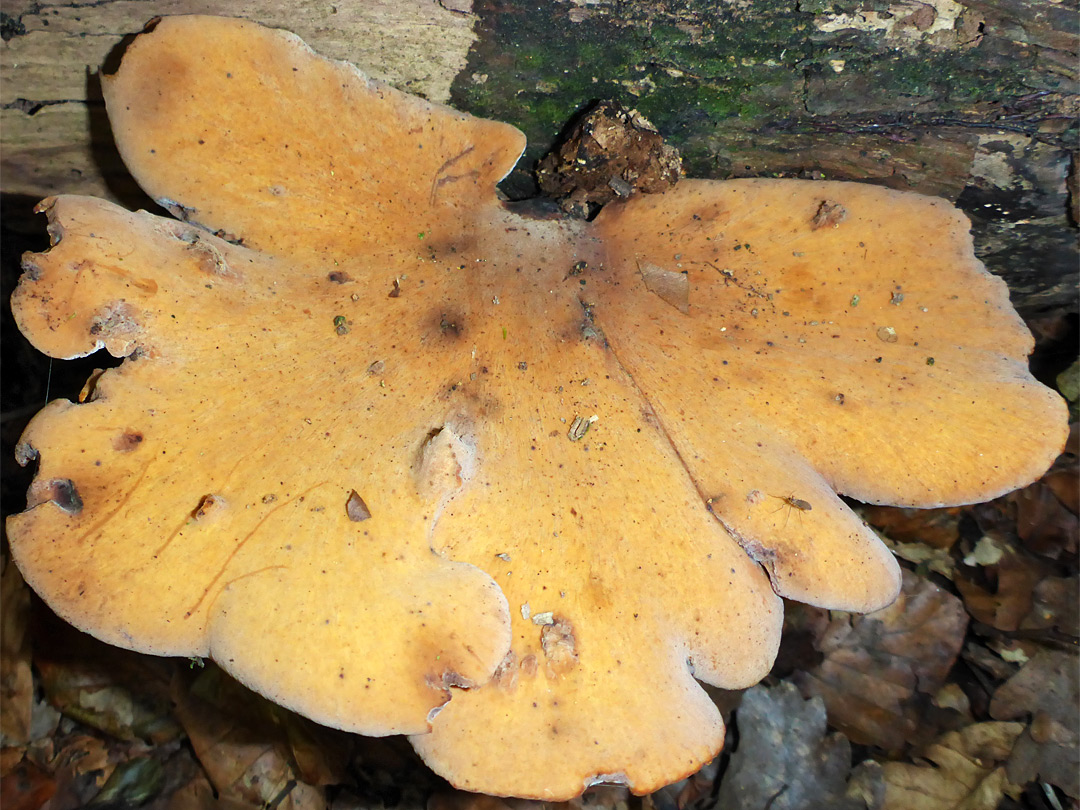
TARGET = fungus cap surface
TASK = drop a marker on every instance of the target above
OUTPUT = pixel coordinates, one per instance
(407, 460)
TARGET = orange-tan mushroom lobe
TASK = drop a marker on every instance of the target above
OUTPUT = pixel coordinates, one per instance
(407, 459)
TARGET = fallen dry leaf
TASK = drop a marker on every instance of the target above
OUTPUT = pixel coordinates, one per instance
(937, 528)
(1048, 689)
(695, 792)
(27, 786)
(1010, 589)
(1046, 514)
(951, 696)
(122, 693)
(924, 557)
(321, 754)
(1056, 604)
(987, 551)
(16, 680)
(964, 771)
(246, 751)
(880, 670)
(785, 759)
(461, 800)
(1003, 605)
(84, 754)
(1047, 511)
(133, 783)
(199, 794)
(985, 659)
(1064, 481)
(80, 762)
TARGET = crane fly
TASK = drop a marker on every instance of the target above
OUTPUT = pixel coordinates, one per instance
(791, 502)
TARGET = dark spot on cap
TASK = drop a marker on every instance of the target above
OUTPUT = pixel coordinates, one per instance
(127, 441)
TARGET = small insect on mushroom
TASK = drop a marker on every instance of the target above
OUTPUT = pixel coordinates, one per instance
(791, 502)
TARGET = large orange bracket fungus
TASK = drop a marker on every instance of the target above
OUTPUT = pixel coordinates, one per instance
(409, 461)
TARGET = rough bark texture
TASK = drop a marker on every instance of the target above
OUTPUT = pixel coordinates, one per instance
(975, 101)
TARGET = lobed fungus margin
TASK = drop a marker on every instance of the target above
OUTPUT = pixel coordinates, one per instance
(407, 460)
